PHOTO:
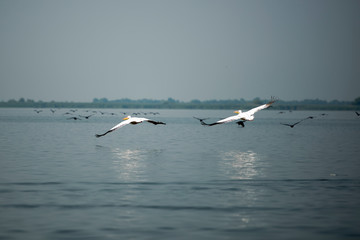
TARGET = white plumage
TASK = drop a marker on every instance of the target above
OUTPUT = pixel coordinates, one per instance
(129, 120)
(241, 117)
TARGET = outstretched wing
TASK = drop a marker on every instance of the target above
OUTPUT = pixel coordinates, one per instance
(292, 125)
(286, 124)
(225, 120)
(155, 122)
(204, 123)
(254, 110)
(123, 123)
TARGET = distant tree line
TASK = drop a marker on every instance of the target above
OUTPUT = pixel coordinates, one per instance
(170, 103)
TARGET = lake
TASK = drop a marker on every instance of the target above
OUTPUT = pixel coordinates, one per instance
(181, 180)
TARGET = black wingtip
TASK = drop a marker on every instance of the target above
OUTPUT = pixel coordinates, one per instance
(202, 121)
(100, 135)
(155, 122)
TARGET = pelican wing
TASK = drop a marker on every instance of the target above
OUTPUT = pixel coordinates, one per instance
(261, 107)
(228, 119)
(202, 121)
(123, 123)
(225, 120)
(140, 120)
(286, 124)
(155, 122)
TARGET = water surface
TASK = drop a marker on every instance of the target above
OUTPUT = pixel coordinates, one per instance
(181, 180)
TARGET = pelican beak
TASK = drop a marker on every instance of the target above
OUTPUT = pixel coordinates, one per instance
(236, 112)
(125, 118)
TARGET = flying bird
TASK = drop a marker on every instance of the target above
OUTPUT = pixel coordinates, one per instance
(86, 117)
(357, 113)
(241, 117)
(293, 125)
(129, 120)
(74, 118)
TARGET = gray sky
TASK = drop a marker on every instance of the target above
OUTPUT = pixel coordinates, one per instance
(185, 49)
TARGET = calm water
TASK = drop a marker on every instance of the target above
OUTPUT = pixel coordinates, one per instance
(179, 181)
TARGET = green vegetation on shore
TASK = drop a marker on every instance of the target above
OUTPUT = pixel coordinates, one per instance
(171, 103)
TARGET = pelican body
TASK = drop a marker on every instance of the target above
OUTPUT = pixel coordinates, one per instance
(129, 120)
(241, 116)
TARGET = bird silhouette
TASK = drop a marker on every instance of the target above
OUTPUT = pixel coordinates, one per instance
(291, 125)
(86, 117)
(74, 118)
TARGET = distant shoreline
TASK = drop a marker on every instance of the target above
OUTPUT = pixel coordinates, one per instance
(194, 104)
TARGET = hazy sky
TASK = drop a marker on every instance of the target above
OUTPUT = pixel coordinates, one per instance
(76, 50)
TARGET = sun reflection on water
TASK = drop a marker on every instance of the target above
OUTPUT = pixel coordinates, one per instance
(240, 165)
(129, 164)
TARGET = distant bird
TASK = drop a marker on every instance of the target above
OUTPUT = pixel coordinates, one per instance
(38, 111)
(86, 117)
(358, 114)
(129, 120)
(52, 110)
(74, 118)
(293, 125)
(242, 116)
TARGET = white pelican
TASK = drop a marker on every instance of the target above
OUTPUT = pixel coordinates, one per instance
(241, 116)
(129, 120)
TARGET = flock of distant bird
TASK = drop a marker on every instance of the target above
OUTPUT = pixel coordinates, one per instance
(77, 116)
(240, 118)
